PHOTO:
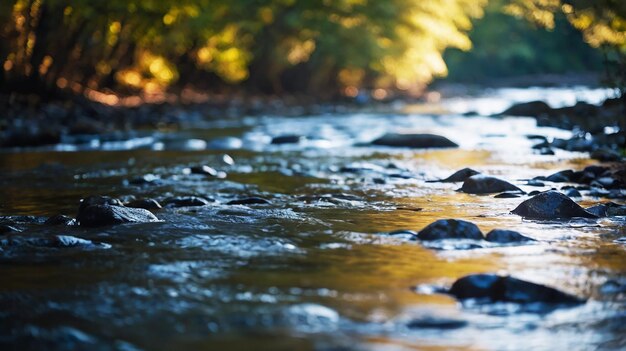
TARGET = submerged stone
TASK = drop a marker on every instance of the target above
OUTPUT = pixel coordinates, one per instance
(436, 323)
(98, 200)
(60, 220)
(508, 289)
(459, 176)
(507, 195)
(482, 184)
(249, 201)
(185, 201)
(450, 229)
(287, 139)
(146, 204)
(506, 236)
(551, 205)
(102, 215)
(416, 141)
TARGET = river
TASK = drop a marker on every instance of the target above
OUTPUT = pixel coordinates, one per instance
(315, 269)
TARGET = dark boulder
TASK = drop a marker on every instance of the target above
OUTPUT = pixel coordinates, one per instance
(531, 109)
(203, 170)
(5, 228)
(506, 237)
(551, 205)
(98, 200)
(101, 215)
(482, 184)
(416, 141)
(507, 195)
(560, 177)
(508, 289)
(60, 220)
(459, 176)
(450, 229)
(430, 322)
(606, 155)
(249, 201)
(600, 210)
(185, 201)
(287, 139)
(146, 204)
(573, 193)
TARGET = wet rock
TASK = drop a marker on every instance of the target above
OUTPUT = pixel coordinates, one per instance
(482, 184)
(606, 183)
(459, 176)
(546, 151)
(551, 205)
(5, 229)
(98, 200)
(606, 155)
(416, 141)
(148, 179)
(185, 201)
(431, 322)
(102, 215)
(506, 236)
(287, 139)
(599, 210)
(560, 177)
(508, 289)
(534, 192)
(146, 204)
(573, 193)
(249, 201)
(507, 195)
(531, 109)
(203, 170)
(616, 211)
(70, 241)
(450, 229)
(60, 220)
(404, 234)
(535, 182)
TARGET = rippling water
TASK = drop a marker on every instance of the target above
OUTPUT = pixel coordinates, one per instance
(313, 270)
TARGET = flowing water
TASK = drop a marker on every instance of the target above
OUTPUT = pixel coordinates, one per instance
(313, 270)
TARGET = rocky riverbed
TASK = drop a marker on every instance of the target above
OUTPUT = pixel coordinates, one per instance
(352, 231)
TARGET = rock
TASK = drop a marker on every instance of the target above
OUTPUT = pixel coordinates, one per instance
(404, 234)
(459, 176)
(101, 215)
(482, 184)
(450, 229)
(560, 177)
(507, 195)
(506, 236)
(287, 139)
(203, 170)
(606, 155)
(70, 241)
(98, 200)
(551, 205)
(60, 220)
(508, 289)
(4, 229)
(147, 179)
(573, 193)
(184, 201)
(616, 211)
(436, 323)
(416, 141)
(249, 201)
(530, 109)
(599, 210)
(534, 192)
(146, 204)
(546, 151)
(535, 182)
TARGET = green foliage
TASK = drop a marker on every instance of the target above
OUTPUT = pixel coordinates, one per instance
(508, 46)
